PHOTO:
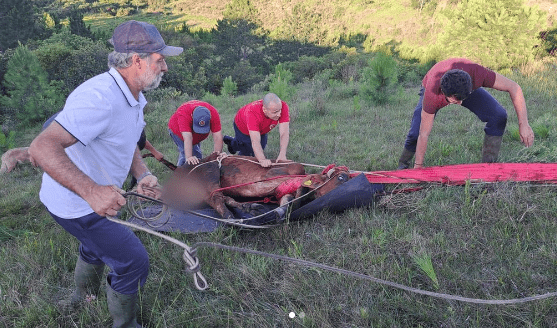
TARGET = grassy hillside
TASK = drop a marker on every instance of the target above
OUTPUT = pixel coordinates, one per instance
(487, 241)
(382, 19)
(484, 241)
(417, 28)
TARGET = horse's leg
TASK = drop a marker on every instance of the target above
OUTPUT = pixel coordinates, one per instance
(283, 206)
(251, 208)
(298, 202)
(217, 201)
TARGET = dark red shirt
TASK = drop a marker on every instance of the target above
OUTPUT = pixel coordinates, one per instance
(434, 99)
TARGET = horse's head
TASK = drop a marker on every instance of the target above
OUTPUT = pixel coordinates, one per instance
(329, 179)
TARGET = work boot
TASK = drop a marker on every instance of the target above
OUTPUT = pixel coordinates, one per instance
(405, 158)
(491, 147)
(228, 141)
(87, 279)
(122, 308)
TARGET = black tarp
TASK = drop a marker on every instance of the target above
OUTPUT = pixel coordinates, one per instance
(356, 192)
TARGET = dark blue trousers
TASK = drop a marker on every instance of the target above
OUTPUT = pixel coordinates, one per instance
(480, 102)
(242, 142)
(104, 241)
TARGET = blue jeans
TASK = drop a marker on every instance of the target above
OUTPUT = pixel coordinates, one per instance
(104, 241)
(196, 149)
(242, 142)
(480, 102)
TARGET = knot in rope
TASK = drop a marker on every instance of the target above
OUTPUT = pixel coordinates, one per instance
(193, 262)
(189, 254)
(220, 157)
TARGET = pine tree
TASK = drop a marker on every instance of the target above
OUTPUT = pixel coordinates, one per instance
(29, 94)
(77, 26)
(379, 80)
(17, 23)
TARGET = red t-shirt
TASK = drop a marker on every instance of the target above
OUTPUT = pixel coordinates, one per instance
(182, 121)
(251, 118)
(434, 99)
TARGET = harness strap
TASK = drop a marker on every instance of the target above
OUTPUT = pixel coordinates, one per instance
(254, 182)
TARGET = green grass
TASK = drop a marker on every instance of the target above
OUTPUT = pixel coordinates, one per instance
(479, 241)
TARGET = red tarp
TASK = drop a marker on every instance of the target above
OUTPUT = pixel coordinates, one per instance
(459, 174)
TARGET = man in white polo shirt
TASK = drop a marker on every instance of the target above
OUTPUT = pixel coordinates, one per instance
(87, 153)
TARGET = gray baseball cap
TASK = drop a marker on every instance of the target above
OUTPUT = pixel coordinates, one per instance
(141, 37)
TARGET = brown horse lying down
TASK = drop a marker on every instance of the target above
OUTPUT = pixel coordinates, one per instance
(217, 181)
(14, 156)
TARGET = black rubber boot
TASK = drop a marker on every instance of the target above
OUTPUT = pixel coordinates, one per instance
(87, 282)
(405, 158)
(122, 309)
(228, 141)
(491, 148)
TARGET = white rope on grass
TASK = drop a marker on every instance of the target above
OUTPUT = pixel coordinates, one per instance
(201, 283)
(377, 280)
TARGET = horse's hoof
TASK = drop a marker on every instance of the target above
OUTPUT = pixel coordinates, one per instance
(280, 213)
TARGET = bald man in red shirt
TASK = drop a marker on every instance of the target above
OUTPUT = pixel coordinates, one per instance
(252, 123)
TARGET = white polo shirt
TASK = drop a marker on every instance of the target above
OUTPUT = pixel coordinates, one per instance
(107, 121)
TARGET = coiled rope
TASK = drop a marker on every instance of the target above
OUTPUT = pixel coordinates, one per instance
(189, 255)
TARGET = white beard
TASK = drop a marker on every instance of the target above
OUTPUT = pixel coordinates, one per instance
(151, 81)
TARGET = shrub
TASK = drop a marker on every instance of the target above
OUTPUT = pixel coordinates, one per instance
(122, 12)
(497, 33)
(28, 91)
(229, 88)
(349, 68)
(279, 83)
(7, 142)
(72, 58)
(306, 67)
(4, 59)
(84, 63)
(183, 77)
(245, 75)
(379, 79)
(162, 94)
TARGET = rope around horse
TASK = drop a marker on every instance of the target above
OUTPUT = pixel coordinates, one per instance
(238, 223)
(189, 255)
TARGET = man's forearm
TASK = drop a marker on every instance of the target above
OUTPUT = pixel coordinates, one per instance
(53, 159)
(284, 140)
(258, 150)
(421, 148)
